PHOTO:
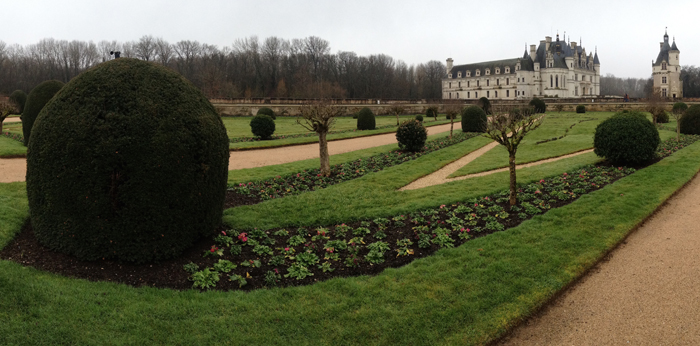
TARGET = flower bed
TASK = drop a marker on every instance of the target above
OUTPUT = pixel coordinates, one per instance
(300, 135)
(15, 136)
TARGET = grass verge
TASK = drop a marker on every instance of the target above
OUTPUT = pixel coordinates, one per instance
(11, 148)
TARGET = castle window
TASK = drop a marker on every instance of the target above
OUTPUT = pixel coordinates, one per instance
(450, 95)
(498, 82)
(476, 94)
(487, 93)
(507, 81)
(469, 95)
(663, 65)
(663, 92)
(459, 74)
(457, 96)
(507, 93)
(495, 94)
(488, 72)
(477, 83)
(450, 85)
(449, 75)
(663, 80)
(556, 79)
(507, 69)
(478, 73)
(488, 82)
(469, 73)
(498, 70)
(459, 84)
(468, 84)
(551, 81)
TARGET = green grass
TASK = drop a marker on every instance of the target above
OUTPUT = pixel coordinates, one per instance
(466, 295)
(11, 148)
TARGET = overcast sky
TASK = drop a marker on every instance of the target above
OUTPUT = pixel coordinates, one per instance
(626, 33)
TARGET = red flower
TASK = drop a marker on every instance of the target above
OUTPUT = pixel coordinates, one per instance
(223, 232)
(243, 237)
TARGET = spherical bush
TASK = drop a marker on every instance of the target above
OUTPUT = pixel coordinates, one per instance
(679, 108)
(411, 135)
(662, 117)
(431, 112)
(580, 109)
(19, 98)
(485, 104)
(539, 105)
(262, 126)
(365, 119)
(473, 119)
(128, 161)
(36, 100)
(626, 138)
(419, 118)
(267, 111)
(690, 121)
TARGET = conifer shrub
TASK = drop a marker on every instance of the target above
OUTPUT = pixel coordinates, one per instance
(473, 119)
(539, 105)
(580, 109)
(679, 108)
(129, 161)
(626, 138)
(36, 100)
(485, 104)
(690, 121)
(419, 118)
(431, 112)
(662, 117)
(19, 98)
(267, 111)
(411, 135)
(365, 119)
(262, 126)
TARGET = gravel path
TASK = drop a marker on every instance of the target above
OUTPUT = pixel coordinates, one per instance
(12, 120)
(12, 170)
(646, 293)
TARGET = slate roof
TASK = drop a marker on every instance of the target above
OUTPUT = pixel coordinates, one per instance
(674, 47)
(482, 66)
(663, 53)
(595, 58)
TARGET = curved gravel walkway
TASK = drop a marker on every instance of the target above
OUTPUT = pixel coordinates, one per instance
(645, 293)
(12, 170)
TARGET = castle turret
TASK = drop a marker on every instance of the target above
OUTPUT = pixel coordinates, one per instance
(449, 65)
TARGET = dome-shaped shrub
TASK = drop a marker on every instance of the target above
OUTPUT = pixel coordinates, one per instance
(473, 119)
(626, 138)
(431, 112)
(679, 108)
(662, 117)
(690, 121)
(128, 161)
(36, 100)
(365, 119)
(580, 109)
(539, 105)
(485, 104)
(262, 126)
(411, 135)
(267, 111)
(19, 98)
(419, 118)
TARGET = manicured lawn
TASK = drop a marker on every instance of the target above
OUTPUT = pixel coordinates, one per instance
(11, 148)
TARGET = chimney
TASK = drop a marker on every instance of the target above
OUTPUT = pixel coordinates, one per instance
(548, 39)
(532, 52)
(449, 65)
(661, 45)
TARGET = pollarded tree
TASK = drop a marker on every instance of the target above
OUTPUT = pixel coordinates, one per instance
(508, 129)
(320, 117)
(397, 109)
(677, 112)
(452, 108)
(6, 108)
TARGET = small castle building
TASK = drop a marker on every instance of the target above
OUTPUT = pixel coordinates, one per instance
(666, 70)
(552, 69)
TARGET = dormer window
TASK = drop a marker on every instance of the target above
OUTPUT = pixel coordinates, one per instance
(449, 75)
(469, 73)
(488, 72)
(507, 69)
(663, 65)
(478, 73)
(498, 70)
(459, 74)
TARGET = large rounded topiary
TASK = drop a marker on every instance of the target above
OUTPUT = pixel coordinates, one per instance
(19, 98)
(365, 119)
(626, 138)
(690, 121)
(411, 135)
(262, 126)
(128, 161)
(473, 119)
(485, 104)
(539, 105)
(36, 100)
(580, 109)
(679, 108)
(267, 111)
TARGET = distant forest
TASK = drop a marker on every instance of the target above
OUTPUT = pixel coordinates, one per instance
(273, 67)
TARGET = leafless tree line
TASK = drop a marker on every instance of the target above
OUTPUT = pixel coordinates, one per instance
(273, 67)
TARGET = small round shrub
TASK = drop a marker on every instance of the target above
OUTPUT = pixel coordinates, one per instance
(36, 100)
(365, 119)
(19, 98)
(431, 112)
(679, 108)
(626, 138)
(129, 161)
(473, 119)
(262, 126)
(419, 118)
(267, 111)
(580, 109)
(411, 135)
(690, 121)
(662, 117)
(539, 105)
(485, 104)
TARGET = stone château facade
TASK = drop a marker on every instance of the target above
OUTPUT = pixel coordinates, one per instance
(552, 69)
(666, 70)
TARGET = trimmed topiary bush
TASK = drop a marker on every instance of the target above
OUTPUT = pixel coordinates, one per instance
(411, 135)
(262, 126)
(580, 109)
(473, 119)
(539, 105)
(485, 104)
(690, 121)
(431, 112)
(36, 100)
(19, 98)
(679, 108)
(267, 111)
(626, 138)
(365, 119)
(129, 161)
(662, 117)
(419, 118)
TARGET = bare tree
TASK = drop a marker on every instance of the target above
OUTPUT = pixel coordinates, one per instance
(397, 109)
(655, 104)
(6, 108)
(146, 48)
(320, 117)
(508, 128)
(452, 108)
(677, 112)
(164, 51)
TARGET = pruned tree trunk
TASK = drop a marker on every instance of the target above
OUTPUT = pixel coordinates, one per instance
(452, 125)
(513, 192)
(325, 159)
(1, 122)
(678, 130)
(397, 119)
